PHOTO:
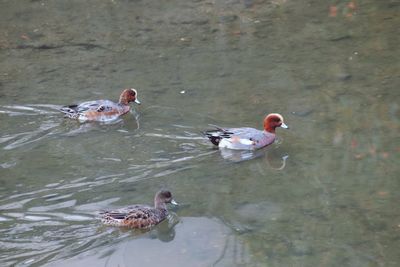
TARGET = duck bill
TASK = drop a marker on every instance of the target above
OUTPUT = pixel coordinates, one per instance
(137, 101)
(284, 126)
(173, 202)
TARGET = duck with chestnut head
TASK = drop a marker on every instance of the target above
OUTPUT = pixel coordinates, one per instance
(102, 110)
(246, 138)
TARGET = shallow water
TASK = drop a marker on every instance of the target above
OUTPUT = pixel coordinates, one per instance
(325, 194)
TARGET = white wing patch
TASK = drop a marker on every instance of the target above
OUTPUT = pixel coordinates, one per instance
(236, 143)
(246, 142)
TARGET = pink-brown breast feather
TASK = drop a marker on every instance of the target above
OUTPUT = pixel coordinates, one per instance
(94, 114)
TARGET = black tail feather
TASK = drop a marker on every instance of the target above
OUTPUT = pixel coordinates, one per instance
(213, 136)
(71, 108)
(69, 111)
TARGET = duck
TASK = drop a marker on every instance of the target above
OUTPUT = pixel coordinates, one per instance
(140, 216)
(102, 110)
(246, 138)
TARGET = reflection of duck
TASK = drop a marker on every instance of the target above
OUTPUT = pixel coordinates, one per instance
(102, 110)
(240, 155)
(140, 216)
(276, 160)
(246, 138)
(165, 231)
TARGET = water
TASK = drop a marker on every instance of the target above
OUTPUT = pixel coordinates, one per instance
(325, 194)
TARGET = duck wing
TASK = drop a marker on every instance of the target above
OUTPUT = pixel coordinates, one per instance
(215, 135)
(90, 109)
(134, 217)
(244, 135)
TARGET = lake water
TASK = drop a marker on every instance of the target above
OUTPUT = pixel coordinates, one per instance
(325, 194)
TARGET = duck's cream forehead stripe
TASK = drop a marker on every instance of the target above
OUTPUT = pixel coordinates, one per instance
(134, 90)
(278, 115)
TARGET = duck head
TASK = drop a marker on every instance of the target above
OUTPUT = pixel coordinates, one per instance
(127, 96)
(272, 121)
(163, 197)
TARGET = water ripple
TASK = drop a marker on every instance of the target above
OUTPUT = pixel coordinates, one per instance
(57, 219)
(29, 109)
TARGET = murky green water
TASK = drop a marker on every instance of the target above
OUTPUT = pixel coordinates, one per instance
(330, 67)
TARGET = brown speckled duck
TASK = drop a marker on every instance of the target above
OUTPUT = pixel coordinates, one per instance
(140, 216)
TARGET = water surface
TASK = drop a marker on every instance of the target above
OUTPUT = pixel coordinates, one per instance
(325, 194)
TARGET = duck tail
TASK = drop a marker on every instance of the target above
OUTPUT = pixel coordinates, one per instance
(214, 135)
(215, 139)
(70, 111)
